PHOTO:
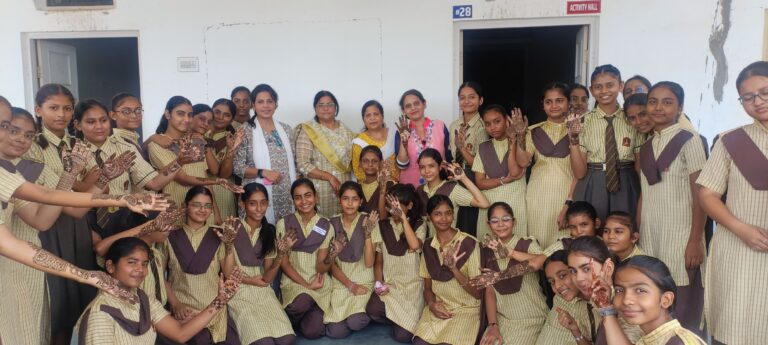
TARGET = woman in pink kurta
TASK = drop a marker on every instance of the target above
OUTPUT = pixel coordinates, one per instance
(417, 132)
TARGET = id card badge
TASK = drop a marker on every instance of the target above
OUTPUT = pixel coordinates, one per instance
(319, 230)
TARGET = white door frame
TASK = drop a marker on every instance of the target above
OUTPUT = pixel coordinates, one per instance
(593, 22)
(29, 53)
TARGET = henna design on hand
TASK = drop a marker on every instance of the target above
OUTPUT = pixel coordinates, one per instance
(234, 141)
(369, 223)
(115, 166)
(227, 288)
(230, 186)
(189, 152)
(394, 208)
(286, 242)
(337, 245)
(489, 277)
(227, 232)
(494, 243)
(164, 222)
(455, 172)
(575, 126)
(170, 168)
(450, 255)
(402, 127)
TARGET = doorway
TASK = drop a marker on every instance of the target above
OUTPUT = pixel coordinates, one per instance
(513, 60)
(96, 68)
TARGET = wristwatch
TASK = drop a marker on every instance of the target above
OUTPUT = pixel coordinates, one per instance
(608, 311)
(260, 173)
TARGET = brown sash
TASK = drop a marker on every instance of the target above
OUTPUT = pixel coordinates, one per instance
(372, 204)
(653, 167)
(441, 272)
(220, 144)
(28, 169)
(748, 158)
(445, 189)
(194, 262)
(135, 328)
(394, 247)
(353, 251)
(493, 168)
(310, 243)
(248, 254)
(506, 286)
(546, 147)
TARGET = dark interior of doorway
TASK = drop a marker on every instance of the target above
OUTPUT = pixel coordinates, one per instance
(105, 67)
(514, 64)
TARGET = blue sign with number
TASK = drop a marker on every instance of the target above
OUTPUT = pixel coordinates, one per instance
(462, 12)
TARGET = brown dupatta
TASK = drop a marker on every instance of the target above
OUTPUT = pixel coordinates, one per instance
(506, 286)
(748, 158)
(439, 271)
(353, 251)
(394, 246)
(653, 167)
(308, 244)
(546, 147)
(493, 167)
(28, 169)
(445, 189)
(135, 328)
(247, 253)
(192, 262)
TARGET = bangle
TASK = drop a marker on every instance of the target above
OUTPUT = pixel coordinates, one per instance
(579, 338)
(501, 180)
(492, 324)
(608, 311)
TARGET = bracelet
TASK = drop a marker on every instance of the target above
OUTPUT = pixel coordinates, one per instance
(492, 324)
(579, 338)
(501, 180)
(608, 311)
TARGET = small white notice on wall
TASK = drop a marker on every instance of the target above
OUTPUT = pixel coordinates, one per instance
(187, 64)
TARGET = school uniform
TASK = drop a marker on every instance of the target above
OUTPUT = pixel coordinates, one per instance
(586, 317)
(371, 195)
(69, 238)
(550, 180)
(161, 156)
(463, 327)
(671, 333)
(194, 262)
(491, 160)
(521, 308)
(26, 305)
(299, 302)
(347, 310)
(109, 320)
(129, 137)
(256, 310)
(459, 195)
(400, 268)
(224, 198)
(593, 188)
(466, 216)
(636, 250)
(667, 160)
(734, 303)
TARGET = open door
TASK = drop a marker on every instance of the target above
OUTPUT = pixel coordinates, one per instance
(582, 56)
(57, 63)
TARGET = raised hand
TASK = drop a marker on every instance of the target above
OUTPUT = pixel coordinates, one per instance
(230, 186)
(601, 285)
(74, 160)
(451, 255)
(454, 170)
(165, 221)
(115, 166)
(286, 241)
(337, 245)
(510, 131)
(227, 232)
(234, 141)
(369, 223)
(394, 208)
(575, 126)
(461, 137)
(385, 174)
(143, 202)
(402, 127)
(189, 152)
(494, 243)
(228, 288)
(519, 122)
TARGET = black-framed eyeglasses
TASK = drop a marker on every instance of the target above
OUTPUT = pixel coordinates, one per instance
(128, 112)
(750, 97)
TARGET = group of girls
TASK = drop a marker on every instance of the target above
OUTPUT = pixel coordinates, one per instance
(446, 210)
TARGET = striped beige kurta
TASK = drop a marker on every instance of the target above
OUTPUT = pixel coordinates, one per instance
(521, 315)
(557, 245)
(225, 200)
(669, 333)
(11, 182)
(160, 157)
(476, 135)
(405, 300)
(734, 302)
(343, 302)
(592, 137)
(462, 328)
(103, 329)
(197, 290)
(26, 306)
(553, 333)
(309, 158)
(255, 310)
(667, 213)
(130, 137)
(548, 186)
(135, 178)
(150, 284)
(304, 264)
(512, 193)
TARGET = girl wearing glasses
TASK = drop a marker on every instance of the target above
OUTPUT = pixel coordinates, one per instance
(324, 153)
(195, 256)
(516, 307)
(127, 114)
(738, 256)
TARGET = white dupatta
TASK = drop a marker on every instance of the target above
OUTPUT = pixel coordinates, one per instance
(261, 158)
(389, 146)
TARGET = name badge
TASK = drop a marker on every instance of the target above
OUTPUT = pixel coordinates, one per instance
(319, 230)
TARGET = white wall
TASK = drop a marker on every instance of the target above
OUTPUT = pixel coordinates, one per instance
(362, 49)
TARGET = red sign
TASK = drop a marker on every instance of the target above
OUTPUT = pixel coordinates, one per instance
(584, 7)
